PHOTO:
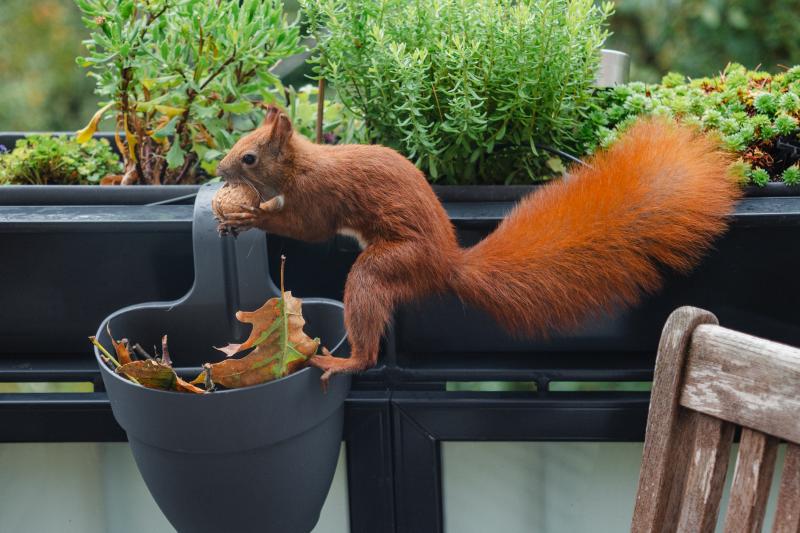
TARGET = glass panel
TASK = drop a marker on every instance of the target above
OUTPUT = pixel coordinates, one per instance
(47, 386)
(590, 386)
(492, 386)
(95, 488)
(548, 487)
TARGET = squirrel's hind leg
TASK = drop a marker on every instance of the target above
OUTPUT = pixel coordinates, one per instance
(384, 275)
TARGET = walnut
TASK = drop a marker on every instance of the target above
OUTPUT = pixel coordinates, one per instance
(231, 197)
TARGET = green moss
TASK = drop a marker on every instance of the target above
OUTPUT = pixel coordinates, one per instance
(785, 124)
(759, 177)
(741, 170)
(673, 79)
(791, 176)
(43, 159)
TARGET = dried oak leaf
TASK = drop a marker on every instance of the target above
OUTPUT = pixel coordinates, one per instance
(266, 322)
(150, 374)
(259, 366)
(281, 346)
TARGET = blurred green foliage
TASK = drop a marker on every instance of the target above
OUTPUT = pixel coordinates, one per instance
(338, 126)
(42, 89)
(699, 37)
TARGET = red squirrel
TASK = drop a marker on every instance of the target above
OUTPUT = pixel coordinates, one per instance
(573, 248)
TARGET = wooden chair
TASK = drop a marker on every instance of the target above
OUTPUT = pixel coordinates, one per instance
(708, 380)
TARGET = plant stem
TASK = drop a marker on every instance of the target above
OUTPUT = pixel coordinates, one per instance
(104, 352)
(285, 320)
(320, 109)
(165, 352)
(219, 70)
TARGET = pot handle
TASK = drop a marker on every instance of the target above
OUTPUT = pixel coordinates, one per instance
(227, 269)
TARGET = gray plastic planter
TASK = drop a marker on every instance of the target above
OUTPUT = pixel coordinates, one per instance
(260, 458)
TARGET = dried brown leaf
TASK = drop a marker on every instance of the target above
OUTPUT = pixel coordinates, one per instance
(282, 347)
(123, 353)
(184, 386)
(266, 326)
(121, 348)
(150, 374)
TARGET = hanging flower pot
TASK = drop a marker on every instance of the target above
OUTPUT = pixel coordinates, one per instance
(258, 458)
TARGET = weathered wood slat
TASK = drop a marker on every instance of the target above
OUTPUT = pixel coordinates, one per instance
(664, 464)
(752, 382)
(710, 454)
(755, 465)
(787, 516)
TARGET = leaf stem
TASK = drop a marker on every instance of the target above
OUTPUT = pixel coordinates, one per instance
(107, 356)
(285, 326)
(165, 359)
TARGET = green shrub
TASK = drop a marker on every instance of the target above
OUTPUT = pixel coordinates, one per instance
(465, 88)
(182, 78)
(43, 160)
(750, 110)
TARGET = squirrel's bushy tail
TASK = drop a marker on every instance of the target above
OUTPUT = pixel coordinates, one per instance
(657, 198)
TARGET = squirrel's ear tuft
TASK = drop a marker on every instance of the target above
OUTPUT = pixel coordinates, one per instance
(281, 128)
(273, 112)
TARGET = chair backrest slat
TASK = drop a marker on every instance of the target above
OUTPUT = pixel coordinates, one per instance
(706, 478)
(752, 478)
(787, 515)
(667, 446)
(752, 382)
(707, 381)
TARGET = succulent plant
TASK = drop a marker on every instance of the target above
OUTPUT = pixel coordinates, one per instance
(756, 114)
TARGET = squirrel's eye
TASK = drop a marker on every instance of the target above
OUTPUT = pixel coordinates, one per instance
(248, 159)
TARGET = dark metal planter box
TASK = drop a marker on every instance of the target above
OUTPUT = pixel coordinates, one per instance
(73, 254)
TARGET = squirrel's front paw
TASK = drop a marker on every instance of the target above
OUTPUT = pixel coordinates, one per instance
(235, 223)
(248, 216)
(224, 228)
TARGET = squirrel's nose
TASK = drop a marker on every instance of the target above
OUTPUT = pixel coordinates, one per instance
(224, 168)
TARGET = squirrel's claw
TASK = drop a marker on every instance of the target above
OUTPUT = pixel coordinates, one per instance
(331, 366)
(248, 216)
(234, 223)
(226, 229)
